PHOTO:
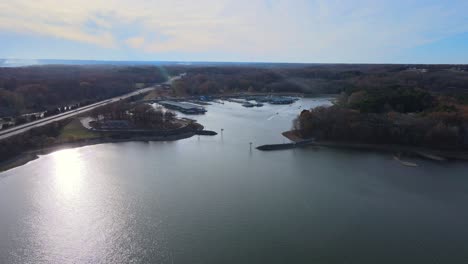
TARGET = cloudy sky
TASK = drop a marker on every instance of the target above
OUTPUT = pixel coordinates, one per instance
(368, 31)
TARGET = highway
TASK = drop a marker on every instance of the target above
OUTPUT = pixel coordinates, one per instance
(4, 134)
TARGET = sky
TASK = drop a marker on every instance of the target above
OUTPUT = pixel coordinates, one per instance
(307, 31)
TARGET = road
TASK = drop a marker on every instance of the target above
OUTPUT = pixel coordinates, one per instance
(4, 134)
(175, 78)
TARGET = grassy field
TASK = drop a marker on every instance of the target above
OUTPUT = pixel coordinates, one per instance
(75, 131)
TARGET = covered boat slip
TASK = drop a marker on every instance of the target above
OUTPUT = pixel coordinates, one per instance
(186, 108)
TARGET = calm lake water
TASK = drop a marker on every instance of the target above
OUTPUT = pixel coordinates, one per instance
(213, 200)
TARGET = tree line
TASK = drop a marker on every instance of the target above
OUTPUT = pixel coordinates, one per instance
(35, 138)
(139, 115)
(319, 78)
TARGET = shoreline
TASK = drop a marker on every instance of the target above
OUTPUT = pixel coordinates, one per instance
(421, 152)
(28, 156)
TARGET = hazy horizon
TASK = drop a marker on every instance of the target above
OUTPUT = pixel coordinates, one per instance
(15, 62)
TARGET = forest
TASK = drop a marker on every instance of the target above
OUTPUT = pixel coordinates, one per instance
(42, 88)
(391, 115)
(314, 79)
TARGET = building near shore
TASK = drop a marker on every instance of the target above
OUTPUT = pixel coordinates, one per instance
(186, 108)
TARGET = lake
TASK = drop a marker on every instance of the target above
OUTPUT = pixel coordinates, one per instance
(217, 200)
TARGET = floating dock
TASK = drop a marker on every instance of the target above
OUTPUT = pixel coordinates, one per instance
(186, 108)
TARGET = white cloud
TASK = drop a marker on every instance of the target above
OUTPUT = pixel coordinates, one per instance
(135, 42)
(52, 18)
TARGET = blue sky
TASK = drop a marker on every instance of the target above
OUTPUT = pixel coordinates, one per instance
(321, 31)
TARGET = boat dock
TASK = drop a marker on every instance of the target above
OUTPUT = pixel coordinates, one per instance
(186, 108)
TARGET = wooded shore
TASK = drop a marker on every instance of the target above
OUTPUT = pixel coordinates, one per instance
(426, 153)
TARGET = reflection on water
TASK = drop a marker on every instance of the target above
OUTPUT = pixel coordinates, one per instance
(67, 167)
(216, 200)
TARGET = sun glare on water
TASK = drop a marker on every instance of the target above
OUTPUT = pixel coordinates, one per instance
(68, 170)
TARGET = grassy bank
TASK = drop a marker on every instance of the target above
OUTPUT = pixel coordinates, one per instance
(76, 131)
